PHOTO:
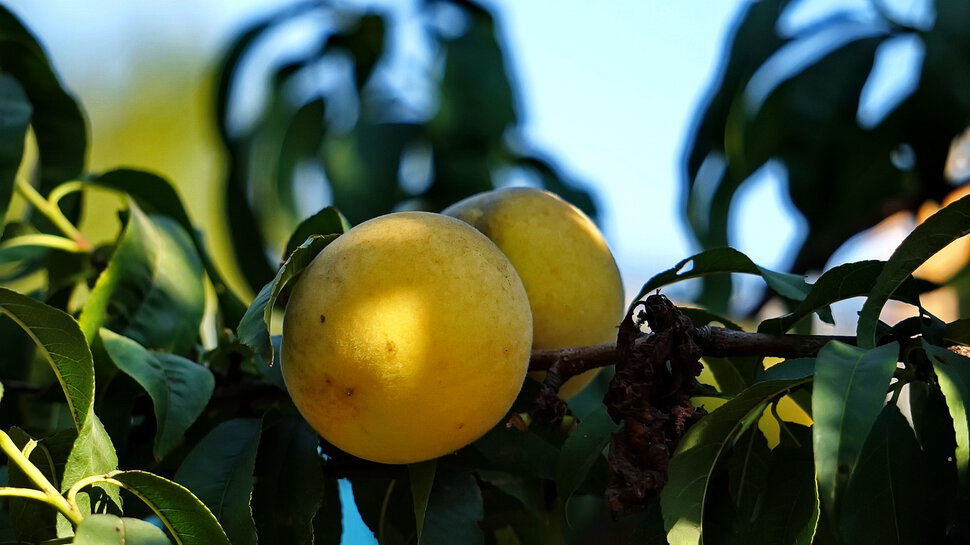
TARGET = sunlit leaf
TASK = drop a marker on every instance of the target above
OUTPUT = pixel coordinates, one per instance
(953, 373)
(155, 195)
(112, 530)
(152, 290)
(59, 339)
(184, 516)
(254, 328)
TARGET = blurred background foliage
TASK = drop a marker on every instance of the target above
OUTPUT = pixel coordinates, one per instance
(332, 128)
(863, 113)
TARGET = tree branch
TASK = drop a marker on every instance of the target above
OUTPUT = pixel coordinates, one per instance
(714, 341)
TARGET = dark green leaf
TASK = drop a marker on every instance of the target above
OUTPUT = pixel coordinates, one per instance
(931, 236)
(581, 449)
(254, 328)
(722, 261)
(746, 467)
(328, 522)
(155, 195)
(112, 530)
(179, 388)
(185, 517)
(520, 453)
(57, 121)
(958, 331)
(92, 454)
(953, 373)
(152, 289)
(454, 509)
(385, 507)
(887, 498)
(328, 221)
(219, 471)
(691, 468)
(290, 485)
(15, 112)
(837, 284)
(788, 506)
(59, 339)
(422, 482)
(848, 393)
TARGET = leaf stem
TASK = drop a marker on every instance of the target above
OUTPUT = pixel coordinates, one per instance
(52, 212)
(47, 241)
(47, 490)
(64, 190)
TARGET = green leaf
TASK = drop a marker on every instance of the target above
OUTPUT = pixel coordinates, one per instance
(179, 388)
(328, 221)
(152, 290)
(15, 112)
(91, 454)
(727, 260)
(185, 517)
(219, 471)
(694, 462)
(519, 453)
(788, 507)
(58, 124)
(929, 237)
(112, 530)
(454, 508)
(958, 331)
(953, 374)
(155, 195)
(838, 284)
(581, 449)
(849, 391)
(290, 485)
(422, 482)
(59, 339)
(255, 325)
(328, 521)
(887, 499)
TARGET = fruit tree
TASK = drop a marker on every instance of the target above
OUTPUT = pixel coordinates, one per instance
(367, 353)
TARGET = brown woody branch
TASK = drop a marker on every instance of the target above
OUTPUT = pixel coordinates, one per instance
(713, 341)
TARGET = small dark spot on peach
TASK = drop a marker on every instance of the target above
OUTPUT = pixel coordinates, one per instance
(350, 392)
(323, 318)
(391, 347)
(461, 425)
(506, 350)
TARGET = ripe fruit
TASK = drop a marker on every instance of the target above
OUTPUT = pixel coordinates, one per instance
(568, 271)
(406, 338)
